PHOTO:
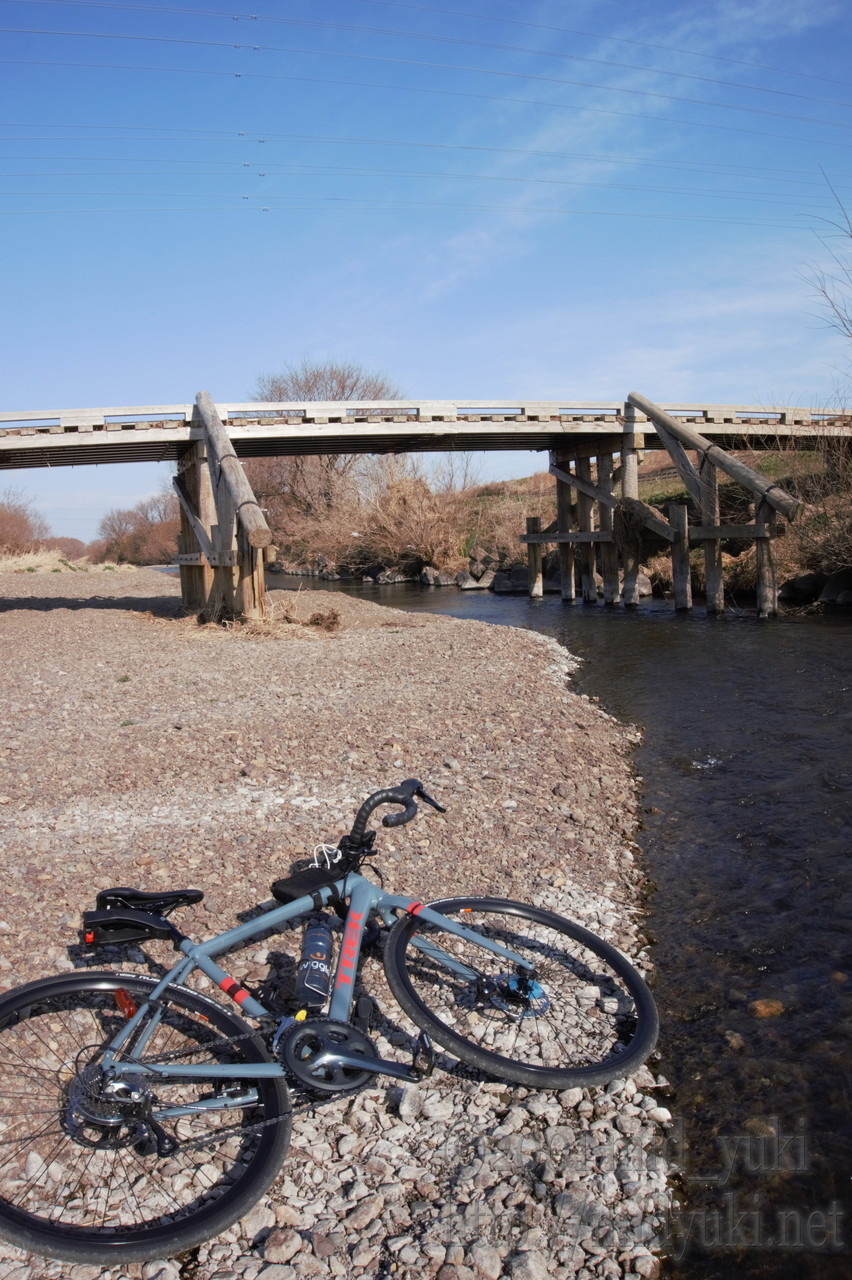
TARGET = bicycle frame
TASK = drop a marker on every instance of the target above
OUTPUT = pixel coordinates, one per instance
(365, 899)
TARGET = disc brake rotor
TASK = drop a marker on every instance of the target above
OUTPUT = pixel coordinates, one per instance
(521, 996)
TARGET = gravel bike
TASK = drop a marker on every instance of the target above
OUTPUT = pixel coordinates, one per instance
(139, 1116)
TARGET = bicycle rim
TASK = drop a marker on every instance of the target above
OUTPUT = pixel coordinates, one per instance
(583, 1017)
(86, 1184)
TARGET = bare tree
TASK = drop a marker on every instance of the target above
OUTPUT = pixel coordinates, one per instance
(295, 488)
(22, 528)
(833, 285)
(144, 534)
(310, 380)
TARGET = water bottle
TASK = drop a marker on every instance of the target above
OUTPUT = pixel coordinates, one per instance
(313, 979)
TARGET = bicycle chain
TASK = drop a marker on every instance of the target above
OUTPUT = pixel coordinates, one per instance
(224, 1133)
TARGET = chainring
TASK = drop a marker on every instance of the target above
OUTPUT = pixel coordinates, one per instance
(308, 1050)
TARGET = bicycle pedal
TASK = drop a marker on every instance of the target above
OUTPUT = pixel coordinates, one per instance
(364, 1009)
(423, 1058)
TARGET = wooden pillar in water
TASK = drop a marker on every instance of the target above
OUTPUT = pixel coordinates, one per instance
(609, 553)
(715, 586)
(630, 489)
(767, 584)
(563, 525)
(681, 580)
(535, 558)
(586, 523)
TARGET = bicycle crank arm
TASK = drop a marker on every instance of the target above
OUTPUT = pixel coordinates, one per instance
(420, 1067)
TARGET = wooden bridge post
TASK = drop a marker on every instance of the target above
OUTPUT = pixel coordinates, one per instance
(193, 478)
(630, 455)
(681, 579)
(767, 585)
(586, 523)
(609, 551)
(223, 530)
(563, 525)
(714, 589)
(535, 558)
(630, 489)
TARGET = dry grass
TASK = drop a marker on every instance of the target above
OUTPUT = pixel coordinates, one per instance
(51, 561)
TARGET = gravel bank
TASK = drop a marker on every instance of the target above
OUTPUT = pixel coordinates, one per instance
(139, 748)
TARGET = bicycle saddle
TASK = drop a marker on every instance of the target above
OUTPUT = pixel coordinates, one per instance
(158, 902)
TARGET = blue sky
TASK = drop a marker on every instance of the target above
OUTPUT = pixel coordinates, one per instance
(483, 198)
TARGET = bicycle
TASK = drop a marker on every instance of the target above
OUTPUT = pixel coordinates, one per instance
(139, 1117)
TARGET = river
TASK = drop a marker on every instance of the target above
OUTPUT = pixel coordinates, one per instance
(747, 841)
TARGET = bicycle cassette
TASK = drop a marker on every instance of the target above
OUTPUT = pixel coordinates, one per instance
(326, 1055)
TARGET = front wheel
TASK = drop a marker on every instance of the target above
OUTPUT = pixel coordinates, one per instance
(87, 1175)
(581, 1016)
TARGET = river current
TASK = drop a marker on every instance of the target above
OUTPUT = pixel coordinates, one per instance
(747, 843)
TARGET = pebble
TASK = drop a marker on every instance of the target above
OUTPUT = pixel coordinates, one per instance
(411, 1177)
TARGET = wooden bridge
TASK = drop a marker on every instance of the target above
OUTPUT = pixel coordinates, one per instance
(164, 432)
(224, 532)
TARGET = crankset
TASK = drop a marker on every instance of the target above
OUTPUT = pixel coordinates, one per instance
(328, 1056)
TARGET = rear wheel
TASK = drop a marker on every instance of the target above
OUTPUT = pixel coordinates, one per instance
(89, 1175)
(581, 1016)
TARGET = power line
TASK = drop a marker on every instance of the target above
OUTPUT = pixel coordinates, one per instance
(298, 204)
(314, 171)
(417, 62)
(446, 93)
(458, 13)
(711, 167)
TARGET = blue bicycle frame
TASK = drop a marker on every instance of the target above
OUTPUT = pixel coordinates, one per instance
(365, 899)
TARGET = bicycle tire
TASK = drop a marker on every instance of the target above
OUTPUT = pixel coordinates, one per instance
(83, 1193)
(588, 1018)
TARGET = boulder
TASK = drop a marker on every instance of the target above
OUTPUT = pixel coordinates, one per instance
(476, 584)
(395, 575)
(838, 585)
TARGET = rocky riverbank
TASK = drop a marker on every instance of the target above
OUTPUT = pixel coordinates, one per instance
(139, 748)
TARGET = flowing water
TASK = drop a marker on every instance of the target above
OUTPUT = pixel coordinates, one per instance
(747, 838)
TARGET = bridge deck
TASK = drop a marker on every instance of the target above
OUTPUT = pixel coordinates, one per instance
(145, 433)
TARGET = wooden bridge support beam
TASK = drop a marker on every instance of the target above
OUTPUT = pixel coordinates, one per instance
(714, 586)
(630, 489)
(535, 558)
(767, 584)
(564, 522)
(681, 577)
(223, 530)
(609, 551)
(586, 524)
(196, 493)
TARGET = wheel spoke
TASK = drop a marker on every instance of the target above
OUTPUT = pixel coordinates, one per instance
(81, 1167)
(581, 1014)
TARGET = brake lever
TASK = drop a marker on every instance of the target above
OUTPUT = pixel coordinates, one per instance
(421, 794)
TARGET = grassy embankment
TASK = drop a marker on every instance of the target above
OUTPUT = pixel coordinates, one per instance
(51, 561)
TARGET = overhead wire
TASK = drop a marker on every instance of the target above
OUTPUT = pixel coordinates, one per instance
(418, 62)
(300, 203)
(237, 136)
(447, 93)
(315, 171)
(459, 13)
